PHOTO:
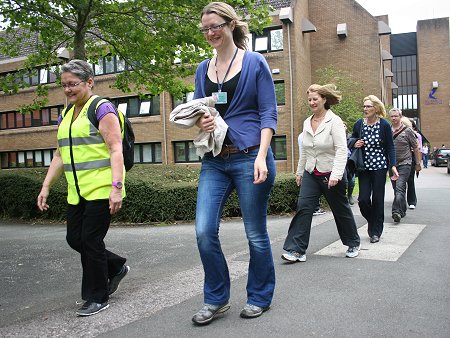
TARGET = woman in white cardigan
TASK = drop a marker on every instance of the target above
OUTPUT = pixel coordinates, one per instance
(321, 171)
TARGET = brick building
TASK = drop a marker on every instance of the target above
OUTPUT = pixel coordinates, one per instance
(304, 36)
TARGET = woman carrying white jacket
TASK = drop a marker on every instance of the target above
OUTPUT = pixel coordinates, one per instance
(321, 171)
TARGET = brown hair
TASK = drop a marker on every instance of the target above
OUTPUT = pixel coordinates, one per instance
(328, 91)
(229, 15)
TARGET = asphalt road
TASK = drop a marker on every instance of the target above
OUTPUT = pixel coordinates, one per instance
(390, 290)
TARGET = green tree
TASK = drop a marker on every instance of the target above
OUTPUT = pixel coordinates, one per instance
(146, 34)
(350, 107)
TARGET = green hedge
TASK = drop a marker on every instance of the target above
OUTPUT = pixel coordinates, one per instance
(162, 194)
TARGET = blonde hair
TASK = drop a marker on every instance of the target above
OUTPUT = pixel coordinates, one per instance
(406, 121)
(378, 105)
(328, 91)
(229, 15)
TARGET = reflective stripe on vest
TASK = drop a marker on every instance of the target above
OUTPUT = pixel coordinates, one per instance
(88, 165)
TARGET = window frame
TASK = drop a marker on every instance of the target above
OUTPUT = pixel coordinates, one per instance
(186, 152)
(273, 145)
(153, 145)
(266, 33)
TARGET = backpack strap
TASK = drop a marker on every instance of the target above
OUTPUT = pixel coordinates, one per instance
(92, 112)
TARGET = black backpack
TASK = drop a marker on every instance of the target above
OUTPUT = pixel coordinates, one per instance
(128, 133)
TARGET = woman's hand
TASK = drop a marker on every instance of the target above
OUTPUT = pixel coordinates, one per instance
(332, 182)
(298, 180)
(395, 174)
(359, 144)
(42, 199)
(115, 200)
(260, 170)
(206, 123)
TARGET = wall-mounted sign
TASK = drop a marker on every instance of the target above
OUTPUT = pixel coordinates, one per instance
(431, 98)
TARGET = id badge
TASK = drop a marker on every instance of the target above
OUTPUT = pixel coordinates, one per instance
(220, 97)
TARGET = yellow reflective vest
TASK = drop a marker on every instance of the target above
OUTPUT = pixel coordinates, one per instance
(86, 157)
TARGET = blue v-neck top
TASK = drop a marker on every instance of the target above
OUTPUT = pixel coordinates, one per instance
(254, 105)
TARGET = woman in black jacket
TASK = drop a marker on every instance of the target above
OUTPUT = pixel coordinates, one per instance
(374, 136)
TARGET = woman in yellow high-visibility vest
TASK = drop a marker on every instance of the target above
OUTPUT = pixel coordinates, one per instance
(92, 162)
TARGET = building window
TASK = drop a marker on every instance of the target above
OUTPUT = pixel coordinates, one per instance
(44, 117)
(278, 145)
(147, 153)
(32, 78)
(28, 158)
(271, 40)
(185, 152)
(185, 98)
(280, 93)
(135, 106)
(109, 65)
(405, 96)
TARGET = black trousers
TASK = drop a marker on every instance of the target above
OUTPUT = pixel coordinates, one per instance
(300, 228)
(87, 225)
(372, 185)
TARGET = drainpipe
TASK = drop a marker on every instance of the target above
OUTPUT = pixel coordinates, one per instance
(163, 100)
(291, 90)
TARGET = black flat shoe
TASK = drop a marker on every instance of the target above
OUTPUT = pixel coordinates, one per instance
(374, 239)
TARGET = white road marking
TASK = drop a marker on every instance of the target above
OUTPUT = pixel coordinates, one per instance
(395, 240)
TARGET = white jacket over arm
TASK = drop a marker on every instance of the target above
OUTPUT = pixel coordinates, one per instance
(186, 115)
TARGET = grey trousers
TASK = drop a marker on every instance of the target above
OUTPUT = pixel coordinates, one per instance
(399, 204)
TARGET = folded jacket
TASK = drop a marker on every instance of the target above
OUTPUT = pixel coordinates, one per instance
(186, 115)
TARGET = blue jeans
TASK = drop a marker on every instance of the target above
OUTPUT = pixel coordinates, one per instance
(218, 177)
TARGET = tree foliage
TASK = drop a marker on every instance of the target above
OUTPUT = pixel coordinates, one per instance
(147, 34)
(350, 107)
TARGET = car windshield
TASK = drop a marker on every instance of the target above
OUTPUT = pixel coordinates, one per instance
(444, 152)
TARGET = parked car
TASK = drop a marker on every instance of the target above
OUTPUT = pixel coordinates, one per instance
(440, 157)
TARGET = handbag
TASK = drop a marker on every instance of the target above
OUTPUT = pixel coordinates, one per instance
(355, 162)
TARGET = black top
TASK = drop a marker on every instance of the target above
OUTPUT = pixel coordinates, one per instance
(230, 88)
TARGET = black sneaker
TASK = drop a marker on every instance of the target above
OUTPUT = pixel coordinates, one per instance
(207, 313)
(114, 281)
(91, 308)
(253, 311)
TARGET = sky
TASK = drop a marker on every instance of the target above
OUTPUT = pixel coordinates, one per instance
(403, 14)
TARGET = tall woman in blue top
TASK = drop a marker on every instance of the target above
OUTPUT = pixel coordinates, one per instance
(374, 135)
(243, 87)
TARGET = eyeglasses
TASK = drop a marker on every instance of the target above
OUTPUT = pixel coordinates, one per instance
(70, 85)
(367, 107)
(213, 28)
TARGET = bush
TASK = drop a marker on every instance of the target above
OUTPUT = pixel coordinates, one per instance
(154, 194)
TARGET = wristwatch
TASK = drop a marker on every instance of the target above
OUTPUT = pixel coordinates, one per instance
(117, 184)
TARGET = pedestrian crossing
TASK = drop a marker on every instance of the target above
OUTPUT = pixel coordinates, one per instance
(395, 240)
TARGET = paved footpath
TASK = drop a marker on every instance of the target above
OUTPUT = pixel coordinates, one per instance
(397, 287)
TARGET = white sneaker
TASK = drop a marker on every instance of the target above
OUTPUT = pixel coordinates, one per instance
(319, 212)
(293, 256)
(412, 206)
(353, 251)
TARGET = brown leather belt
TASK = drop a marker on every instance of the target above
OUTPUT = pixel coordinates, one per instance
(227, 150)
